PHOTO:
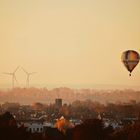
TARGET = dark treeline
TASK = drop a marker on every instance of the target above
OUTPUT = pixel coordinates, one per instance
(91, 129)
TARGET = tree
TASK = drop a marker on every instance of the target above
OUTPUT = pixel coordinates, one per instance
(92, 129)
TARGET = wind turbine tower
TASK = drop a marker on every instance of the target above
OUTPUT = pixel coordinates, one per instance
(28, 77)
(13, 74)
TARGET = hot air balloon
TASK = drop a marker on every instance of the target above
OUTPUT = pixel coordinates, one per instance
(130, 59)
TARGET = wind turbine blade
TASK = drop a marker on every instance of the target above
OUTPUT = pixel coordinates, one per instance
(16, 69)
(16, 79)
(24, 70)
(32, 73)
(7, 73)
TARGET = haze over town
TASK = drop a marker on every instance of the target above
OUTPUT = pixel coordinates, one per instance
(61, 75)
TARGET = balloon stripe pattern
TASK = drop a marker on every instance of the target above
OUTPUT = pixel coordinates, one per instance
(130, 59)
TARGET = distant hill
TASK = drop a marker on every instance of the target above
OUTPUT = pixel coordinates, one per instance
(31, 95)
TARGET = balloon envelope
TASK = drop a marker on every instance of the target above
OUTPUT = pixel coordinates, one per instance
(130, 59)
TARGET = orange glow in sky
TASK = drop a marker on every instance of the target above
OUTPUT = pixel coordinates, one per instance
(69, 41)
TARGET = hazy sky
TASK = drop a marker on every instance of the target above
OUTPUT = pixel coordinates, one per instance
(69, 41)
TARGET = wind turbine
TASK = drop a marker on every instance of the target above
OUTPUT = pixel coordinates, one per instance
(13, 76)
(28, 76)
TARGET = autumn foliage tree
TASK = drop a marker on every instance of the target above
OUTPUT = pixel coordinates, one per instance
(62, 124)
